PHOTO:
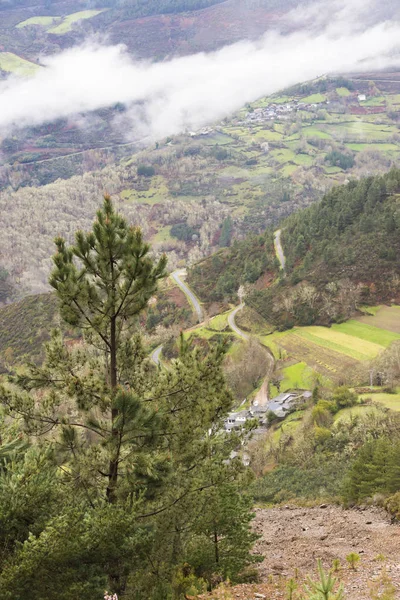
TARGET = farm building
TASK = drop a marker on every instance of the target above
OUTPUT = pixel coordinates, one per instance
(280, 406)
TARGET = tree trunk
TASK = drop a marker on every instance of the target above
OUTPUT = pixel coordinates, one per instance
(114, 577)
(216, 547)
(113, 468)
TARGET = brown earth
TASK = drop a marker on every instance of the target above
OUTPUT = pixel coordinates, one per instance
(294, 538)
(176, 296)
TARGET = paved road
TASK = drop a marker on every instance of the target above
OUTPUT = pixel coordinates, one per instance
(232, 324)
(279, 249)
(155, 357)
(176, 276)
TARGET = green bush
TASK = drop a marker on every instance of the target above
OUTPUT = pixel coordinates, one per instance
(146, 171)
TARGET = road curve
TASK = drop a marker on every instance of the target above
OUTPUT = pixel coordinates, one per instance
(279, 249)
(155, 356)
(176, 276)
(232, 324)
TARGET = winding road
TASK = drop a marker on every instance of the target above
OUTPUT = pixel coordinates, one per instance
(176, 276)
(262, 395)
(232, 324)
(155, 357)
(279, 249)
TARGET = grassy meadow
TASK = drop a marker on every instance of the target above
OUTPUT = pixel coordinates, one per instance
(12, 63)
(68, 22)
(59, 25)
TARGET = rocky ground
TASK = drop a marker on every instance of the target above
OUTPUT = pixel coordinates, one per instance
(292, 539)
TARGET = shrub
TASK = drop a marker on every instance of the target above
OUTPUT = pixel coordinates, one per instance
(344, 397)
(353, 559)
(392, 505)
(146, 171)
(321, 416)
(321, 435)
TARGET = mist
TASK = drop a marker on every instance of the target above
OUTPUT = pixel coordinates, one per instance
(188, 92)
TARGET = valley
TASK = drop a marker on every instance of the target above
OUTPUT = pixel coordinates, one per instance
(199, 300)
(245, 174)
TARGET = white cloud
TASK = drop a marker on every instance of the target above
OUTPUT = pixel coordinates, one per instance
(194, 90)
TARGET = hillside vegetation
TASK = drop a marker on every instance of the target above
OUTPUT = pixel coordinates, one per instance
(198, 192)
(340, 253)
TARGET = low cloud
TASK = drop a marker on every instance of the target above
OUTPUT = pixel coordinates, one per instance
(189, 92)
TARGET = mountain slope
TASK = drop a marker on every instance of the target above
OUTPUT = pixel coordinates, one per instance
(340, 253)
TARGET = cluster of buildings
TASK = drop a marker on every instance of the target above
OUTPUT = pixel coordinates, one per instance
(280, 406)
(270, 112)
(200, 132)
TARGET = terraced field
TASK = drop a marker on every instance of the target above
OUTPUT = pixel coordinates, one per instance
(290, 151)
(349, 345)
(322, 359)
(336, 350)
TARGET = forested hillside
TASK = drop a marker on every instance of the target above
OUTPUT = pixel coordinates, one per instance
(340, 253)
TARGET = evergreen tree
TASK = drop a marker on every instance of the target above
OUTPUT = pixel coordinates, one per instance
(226, 232)
(112, 284)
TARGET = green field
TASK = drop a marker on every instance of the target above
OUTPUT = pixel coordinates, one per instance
(314, 131)
(370, 333)
(391, 401)
(335, 350)
(357, 348)
(294, 377)
(347, 414)
(43, 21)
(268, 135)
(12, 63)
(303, 159)
(362, 130)
(220, 322)
(314, 99)
(68, 22)
(283, 155)
(343, 92)
(383, 147)
(377, 101)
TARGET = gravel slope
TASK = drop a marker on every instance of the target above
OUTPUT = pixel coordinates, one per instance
(293, 538)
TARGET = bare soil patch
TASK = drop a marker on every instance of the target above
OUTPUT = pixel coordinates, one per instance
(294, 538)
(387, 317)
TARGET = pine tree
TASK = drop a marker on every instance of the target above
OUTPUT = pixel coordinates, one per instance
(111, 284)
